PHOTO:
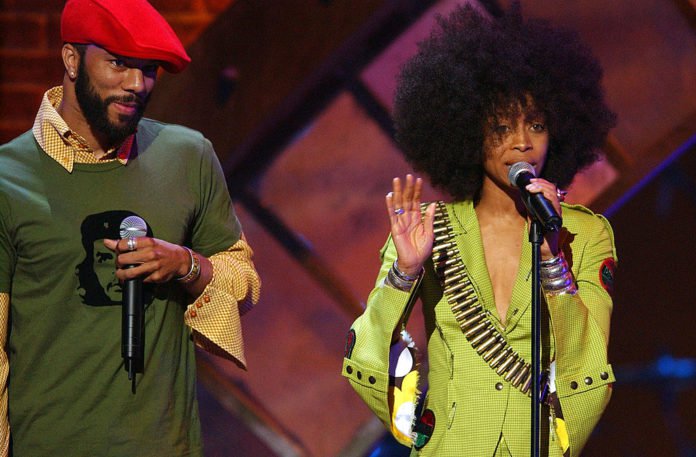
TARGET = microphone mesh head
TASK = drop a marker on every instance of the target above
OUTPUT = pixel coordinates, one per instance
(518, 168)
(133, 227)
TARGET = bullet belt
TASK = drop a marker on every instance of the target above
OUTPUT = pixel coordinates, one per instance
(472, 318)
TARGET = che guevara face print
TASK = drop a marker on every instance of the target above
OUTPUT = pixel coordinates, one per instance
(97, 282)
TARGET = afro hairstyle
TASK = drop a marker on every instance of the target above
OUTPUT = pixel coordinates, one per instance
(473, 69)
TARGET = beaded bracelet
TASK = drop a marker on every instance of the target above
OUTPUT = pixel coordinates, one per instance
(195, 270)
(556, 277)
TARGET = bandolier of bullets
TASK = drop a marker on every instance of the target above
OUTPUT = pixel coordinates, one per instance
(472, 318)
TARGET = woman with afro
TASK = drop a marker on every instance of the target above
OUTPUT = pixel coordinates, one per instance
(480, 95)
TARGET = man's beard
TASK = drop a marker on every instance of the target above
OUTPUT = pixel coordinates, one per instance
(95, 110)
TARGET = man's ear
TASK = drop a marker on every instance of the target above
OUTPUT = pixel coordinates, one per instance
(71, 59)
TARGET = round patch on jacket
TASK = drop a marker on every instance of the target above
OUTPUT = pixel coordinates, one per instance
(350, 344)
(606, 274)
(424, 429)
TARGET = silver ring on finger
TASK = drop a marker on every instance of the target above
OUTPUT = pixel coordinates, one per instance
(399, 211)
(132, 244)
(561, 194)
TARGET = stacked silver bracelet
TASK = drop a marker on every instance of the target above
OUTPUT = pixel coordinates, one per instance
(556, 277)
(399, 280)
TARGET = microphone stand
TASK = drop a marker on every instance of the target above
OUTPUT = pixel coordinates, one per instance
(536, 237)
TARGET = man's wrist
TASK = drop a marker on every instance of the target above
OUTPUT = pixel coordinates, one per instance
(194, 271)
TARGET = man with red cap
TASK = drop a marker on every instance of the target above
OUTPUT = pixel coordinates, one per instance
(72, 190)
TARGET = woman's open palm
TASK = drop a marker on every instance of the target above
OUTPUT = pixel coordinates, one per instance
(411, 231)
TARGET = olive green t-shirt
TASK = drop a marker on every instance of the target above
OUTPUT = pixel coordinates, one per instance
(68, 391)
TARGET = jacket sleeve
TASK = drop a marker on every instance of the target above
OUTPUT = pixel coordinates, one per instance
(372, 340)
(581, 331)
(214, 316)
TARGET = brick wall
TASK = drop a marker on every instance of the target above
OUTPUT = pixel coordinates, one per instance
(30, 50)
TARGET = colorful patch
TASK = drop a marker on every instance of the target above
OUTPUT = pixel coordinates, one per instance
(424, 429)
(350, 344)
(606, 274)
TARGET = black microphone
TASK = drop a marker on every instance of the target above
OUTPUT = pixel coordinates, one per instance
(132, 316)
(538, 206)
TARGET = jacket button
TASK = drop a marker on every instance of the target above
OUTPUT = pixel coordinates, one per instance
(498, 386)
(359, 375)
(349, 369)
(604, 375)
(588, 380)
(573, 385)
(372, 380)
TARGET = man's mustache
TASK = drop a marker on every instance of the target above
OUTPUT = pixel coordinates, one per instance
(132, 98)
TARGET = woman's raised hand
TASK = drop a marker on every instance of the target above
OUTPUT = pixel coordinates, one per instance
(412, 233)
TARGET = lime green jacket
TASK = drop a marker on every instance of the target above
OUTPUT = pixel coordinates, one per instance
(477, 413)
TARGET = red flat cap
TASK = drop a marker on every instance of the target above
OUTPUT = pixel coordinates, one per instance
(129, 28)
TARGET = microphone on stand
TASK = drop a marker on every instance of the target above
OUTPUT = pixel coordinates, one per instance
(538, 206)
(132, 317)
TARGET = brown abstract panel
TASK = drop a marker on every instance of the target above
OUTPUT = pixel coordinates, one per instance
(329, 187)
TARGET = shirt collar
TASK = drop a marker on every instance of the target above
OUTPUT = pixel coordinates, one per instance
(64, 145)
